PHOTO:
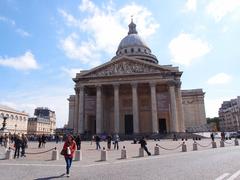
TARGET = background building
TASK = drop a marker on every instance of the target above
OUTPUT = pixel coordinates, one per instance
(43, 122)
(16, 120)
(133, 94)
(229, 115)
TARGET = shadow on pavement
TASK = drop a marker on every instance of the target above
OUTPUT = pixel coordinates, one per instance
(52, 177)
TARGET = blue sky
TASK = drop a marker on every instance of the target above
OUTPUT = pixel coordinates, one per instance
(44, 43)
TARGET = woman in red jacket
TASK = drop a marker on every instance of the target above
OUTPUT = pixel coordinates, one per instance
(69, 148)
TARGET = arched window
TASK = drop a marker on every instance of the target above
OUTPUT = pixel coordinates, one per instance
(132, 50)
(12, 117)
(20, 118)
(125, 50)
(16, 117)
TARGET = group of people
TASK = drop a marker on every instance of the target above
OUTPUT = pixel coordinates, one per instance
(20, 142)
(42, 139)
(110, 139)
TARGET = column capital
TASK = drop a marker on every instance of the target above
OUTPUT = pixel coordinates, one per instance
(76, 90)
(134, 84)
(81, 87)
(98, 86)
(152, 84)
(172, 83)
(116, 85)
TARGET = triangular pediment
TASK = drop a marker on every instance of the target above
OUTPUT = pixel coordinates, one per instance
(126, 66)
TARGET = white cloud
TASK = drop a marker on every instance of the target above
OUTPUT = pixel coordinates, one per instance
(102, 29)
(220, 8)
(221, 78)
(186, 48)
(71, 72)
(85, 51)
(190, 5)
(20, 31)
(23, 62)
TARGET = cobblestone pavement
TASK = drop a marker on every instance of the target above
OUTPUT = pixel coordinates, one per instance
(205, 164)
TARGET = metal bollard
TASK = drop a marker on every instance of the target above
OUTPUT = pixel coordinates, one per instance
(104, 155)
(78, 155)
(195, 148)
(141, 152)
(55, 155)
(236, 142)
(184, 147)
(123, 153)
(222, 143)
(8, 154)
(214, 144)
(156, 150)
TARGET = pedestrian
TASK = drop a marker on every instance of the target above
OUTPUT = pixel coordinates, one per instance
(212, 136)
(39, 141)
(57, 138)
(143, 144)
(24, 145)
(116, 140)
(6, 141)
(1, 139)
(68, 150)
(78, 142)
(17, 145)
(109, 141)
(44, 138)
(223, 136)
(97, 139)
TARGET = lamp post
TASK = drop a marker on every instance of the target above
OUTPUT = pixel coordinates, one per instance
(4, 123)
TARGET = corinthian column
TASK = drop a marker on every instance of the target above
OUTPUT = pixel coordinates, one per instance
(116, 108)
(99, 110)
(135, 108)
(173, 104)
(181, 121)
(154, 108)
(81, 110)
(75, 121)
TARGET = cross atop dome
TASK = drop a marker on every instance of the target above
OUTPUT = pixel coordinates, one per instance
(132, 27)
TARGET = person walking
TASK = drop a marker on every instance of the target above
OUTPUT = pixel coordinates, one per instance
(44, 138)
(78, 142)
(212, 136)
(143, 144)
(97, 139)
(109, 141)
(116, 140)
(17, 145)
(24, 145)
(39, 141)
(68, 150)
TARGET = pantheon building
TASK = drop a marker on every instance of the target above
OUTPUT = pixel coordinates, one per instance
(133, 94)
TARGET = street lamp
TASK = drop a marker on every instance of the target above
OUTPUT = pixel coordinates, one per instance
(4, 123)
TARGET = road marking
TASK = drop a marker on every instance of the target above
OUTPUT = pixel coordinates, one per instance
(234, 176)
(222, 176)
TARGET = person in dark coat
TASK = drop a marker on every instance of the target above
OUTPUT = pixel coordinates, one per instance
(39, 141)
(17, 145)
(24, 145)
(78, 142)
(109, 141)
(97, 139)
(212, 136)
(143, 144)
(44, 139)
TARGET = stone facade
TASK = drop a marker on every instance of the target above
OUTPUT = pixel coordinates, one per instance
(131, 94)
(16, 121)
(44, 122)
(229, 115)
(193, 107)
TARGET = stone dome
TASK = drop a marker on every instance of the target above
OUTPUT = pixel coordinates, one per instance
(133, 45)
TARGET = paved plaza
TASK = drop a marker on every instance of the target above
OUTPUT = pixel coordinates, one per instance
(206, 163)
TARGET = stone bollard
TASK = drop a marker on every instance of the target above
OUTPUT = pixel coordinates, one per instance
(156, 150)
(195, 148)
(78, 155)
(55, 155)
(236, 142)
(214, 144)
(123, 153)
(184, 147)
(222, 143)
(141, 152)
(8, 154)
(104, 155)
